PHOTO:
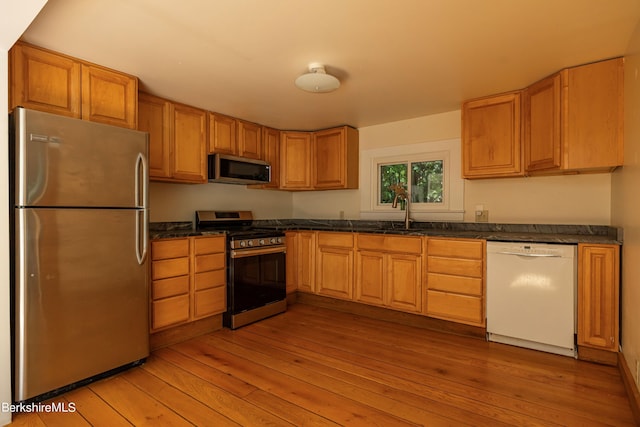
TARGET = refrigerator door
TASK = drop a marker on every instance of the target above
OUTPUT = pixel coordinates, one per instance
(60, 161)
(81, 295)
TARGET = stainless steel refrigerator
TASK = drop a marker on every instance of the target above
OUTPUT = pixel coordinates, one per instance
(79, 279)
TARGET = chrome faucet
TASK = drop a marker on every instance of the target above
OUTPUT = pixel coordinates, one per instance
(401, 193)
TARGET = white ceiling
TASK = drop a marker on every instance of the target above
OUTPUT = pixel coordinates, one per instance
(396, 59)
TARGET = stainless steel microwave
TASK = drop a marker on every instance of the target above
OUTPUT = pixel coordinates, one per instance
(238, 170)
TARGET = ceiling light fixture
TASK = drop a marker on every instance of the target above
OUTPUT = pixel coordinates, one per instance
(317, 80)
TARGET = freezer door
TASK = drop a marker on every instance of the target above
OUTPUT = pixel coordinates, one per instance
(60, 161)
(81, 295)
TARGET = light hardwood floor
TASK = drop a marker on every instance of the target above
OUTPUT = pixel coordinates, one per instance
(318, 367)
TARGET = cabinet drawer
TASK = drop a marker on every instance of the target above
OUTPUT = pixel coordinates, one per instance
(380, 242)
(209, 245)
(456, 284)
(169, 287)
(452, 248)
(210, 301)
(170, 248)
(209, 262)
(454, 266)
(169, 268)
(339, 240)
(461, 308)
(210, 279)
(169, 311)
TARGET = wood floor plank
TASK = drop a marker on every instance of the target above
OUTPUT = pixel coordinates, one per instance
(292, 413)
(191, 378)
(95, 410)
(135, 405)
(62, 419)
(191, 409)
(26, 419)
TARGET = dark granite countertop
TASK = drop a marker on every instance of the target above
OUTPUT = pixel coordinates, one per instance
(538, 233)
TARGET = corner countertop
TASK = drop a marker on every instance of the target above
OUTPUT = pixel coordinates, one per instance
(534, 233)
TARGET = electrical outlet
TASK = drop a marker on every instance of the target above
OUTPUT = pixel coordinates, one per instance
(482, 216)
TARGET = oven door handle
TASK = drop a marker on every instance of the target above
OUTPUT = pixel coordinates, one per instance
(243, 253)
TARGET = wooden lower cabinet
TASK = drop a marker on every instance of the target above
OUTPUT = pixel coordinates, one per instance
(598, 296)
(334, 264)
(301, 261)
(456, 280)
(389, 271)
(188, 280)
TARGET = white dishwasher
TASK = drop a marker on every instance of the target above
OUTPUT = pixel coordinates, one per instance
(531, 296)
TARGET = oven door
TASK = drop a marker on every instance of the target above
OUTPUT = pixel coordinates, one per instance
(256, 278)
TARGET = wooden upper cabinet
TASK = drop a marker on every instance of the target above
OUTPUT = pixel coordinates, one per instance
(222, 134)
(335, 158)
(542, 126)
(189, 136)
(249, 137)
(295, 160)
(598, 296)
(593, 116)
(47, 81)
(177, 140)
(109, 97)
(154, 118)
(271, 154)
(574, 120)
(491, 137)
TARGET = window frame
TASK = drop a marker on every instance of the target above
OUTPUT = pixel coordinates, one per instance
(452, 208)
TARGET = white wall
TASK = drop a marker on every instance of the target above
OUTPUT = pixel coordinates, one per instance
(178, 202)
(626, 205)
(15, 17)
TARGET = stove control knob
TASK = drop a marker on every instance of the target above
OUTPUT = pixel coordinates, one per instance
(250, 242)
(273, 240)
(279, 239)
(261, 242)
(243, 243)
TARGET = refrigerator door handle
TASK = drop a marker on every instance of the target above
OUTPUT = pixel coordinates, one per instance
(141, 181)
(142, 236)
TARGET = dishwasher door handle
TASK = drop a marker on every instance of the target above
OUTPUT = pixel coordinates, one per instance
(530, 255)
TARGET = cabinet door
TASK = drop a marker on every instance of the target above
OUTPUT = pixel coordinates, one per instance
(153, 117)
(370, 277)
(306, 242)
(222, 134)
(188, 135)
(593, 119)
(249, 140)
(491, 137)
(271, 154)
(295, 160)
(598, 293)
(335, 272)
(291, 240)
(404, 282)
(109, 97)
(542, 131)
(335, 166)
(44, 81)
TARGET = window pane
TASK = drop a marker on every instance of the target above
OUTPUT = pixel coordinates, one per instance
(426, 182)
(391, 175)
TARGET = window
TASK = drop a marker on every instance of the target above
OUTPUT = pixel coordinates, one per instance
(425, 179)
(429, 172)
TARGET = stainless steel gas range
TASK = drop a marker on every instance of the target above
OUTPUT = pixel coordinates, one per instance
(256, 282)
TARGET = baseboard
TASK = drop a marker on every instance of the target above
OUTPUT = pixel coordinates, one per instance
(390, 315)
(184, 332)
(604, 357)
(630, 387)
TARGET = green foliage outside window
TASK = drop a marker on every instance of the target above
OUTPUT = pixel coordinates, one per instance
(426, 181)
